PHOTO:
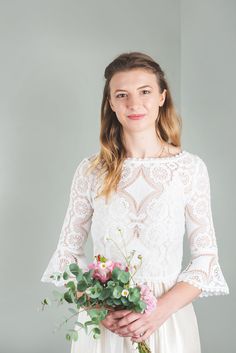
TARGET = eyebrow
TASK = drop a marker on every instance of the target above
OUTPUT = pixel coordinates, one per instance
(118, 90)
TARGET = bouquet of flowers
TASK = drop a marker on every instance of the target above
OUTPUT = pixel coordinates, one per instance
(106, 286)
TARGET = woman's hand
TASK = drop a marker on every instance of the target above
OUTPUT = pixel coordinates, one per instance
(136, 324)
(112, 319)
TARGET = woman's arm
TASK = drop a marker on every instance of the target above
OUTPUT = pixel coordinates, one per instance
(134, 324)
(177, 297)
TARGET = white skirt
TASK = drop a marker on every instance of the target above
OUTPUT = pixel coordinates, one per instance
(178, 334)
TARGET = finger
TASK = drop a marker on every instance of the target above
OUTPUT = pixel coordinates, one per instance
(119, 313)
(142, 338)
(140, 331)
(129, 319)
(131, 330)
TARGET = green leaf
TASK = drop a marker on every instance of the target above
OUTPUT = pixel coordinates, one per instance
(81, 300)
(56, 275)
(96, 332)
(93, 313)
(68, 337)
(95, 291)
(109, 302)
(115, 273)
(68, 297)
(73, 334)
(111, 284)
(71, 285)
(124, 276)
(140, 306)
(106, 293)
(79, 277)
(134, 295)
(46, 301)
(124, 301)
(103, 259)
(82, 285)
(88, 276)
(65, 275)
(74, 269)
(87, 323)
(117, 301)
(117, 292)
(77, 323)
(97, 314)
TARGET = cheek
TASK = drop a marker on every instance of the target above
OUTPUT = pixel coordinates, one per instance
(153, 103)
(120, 110)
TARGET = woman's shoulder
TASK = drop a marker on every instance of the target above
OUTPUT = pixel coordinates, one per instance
(87, 159)
(195, 157)
(180, 151)
(86, 164)
(194, 164)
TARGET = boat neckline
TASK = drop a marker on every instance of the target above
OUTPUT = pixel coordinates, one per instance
(147, 159)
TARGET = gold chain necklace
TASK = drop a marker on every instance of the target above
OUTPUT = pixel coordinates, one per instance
(161, 151)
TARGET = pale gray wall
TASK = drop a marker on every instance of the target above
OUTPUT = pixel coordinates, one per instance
(53, 54)
(208, 76)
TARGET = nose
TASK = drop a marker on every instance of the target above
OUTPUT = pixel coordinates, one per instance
(133, 101)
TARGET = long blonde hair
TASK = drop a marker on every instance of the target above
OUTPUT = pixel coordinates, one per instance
(112, 148)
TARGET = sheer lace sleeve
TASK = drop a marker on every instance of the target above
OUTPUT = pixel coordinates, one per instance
(75, 229)
(204, 270)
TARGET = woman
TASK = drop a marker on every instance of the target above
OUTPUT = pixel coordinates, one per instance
(144, 183)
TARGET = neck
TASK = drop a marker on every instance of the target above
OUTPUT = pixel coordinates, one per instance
(141, 145)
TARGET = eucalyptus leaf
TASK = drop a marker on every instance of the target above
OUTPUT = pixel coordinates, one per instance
(82, 300)
(71, 285)
(74, 269)
(68, 297)
(117, 301)
(68, 337)
(117, 292)
(46, 301)
(115, 273)
(96, 332)
(124, 301)
(82, 285)
(65, 275)
(77, 323)
(88, 276)
(89, 323)
(124, 276)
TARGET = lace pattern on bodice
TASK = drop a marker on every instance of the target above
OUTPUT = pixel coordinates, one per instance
(157, 201)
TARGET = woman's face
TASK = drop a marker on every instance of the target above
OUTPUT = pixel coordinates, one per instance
(135, 98)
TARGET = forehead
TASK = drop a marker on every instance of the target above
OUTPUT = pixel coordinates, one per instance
(134, 77)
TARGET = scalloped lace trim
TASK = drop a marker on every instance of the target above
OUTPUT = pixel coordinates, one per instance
(206, 291)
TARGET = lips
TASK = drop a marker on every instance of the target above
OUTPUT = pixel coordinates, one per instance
(136, 116)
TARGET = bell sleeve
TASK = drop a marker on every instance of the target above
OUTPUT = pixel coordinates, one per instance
(203, 271)
(75, 228)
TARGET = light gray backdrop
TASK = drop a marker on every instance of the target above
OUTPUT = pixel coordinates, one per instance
(53, 54)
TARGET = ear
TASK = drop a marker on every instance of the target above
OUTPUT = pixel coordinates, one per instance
(111, 105)
(162, 98)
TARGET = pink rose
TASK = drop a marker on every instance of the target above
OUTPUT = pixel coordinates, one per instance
(148, 298)
(103, 269)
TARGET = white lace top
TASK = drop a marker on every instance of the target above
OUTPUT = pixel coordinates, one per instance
(157, 200)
